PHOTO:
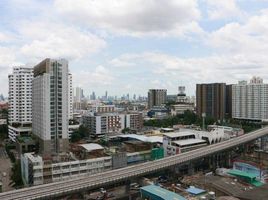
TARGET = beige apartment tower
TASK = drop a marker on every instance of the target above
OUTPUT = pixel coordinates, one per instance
(51, 105)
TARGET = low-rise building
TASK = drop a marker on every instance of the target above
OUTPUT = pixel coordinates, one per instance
(14, 132)
(109, 123)
(178, 109)
(187, 140)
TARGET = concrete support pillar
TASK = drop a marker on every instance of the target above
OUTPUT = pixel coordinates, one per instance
(190, 168)
(263, 142)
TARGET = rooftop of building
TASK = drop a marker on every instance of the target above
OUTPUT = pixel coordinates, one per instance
(143, 138)
(179, 133)
(161, 192)
(189, 142)
(91, 147)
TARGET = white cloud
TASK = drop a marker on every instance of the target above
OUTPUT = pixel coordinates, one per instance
(249, 38)
(224, 9)
(99, 77)
(134, 17)
(47, 39)
(167, 71)
(7, 60)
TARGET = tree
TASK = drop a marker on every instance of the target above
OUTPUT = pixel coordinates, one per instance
(75, 137)
(126, 130)
(79, 134)
(16, 179)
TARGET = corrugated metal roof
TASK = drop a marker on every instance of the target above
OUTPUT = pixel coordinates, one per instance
(241, 173)
(161, 192)
(195, 191)
(189, 141)
(91, 146)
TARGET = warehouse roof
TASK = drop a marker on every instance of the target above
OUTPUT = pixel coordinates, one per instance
(91, 146)
(179, 134)
(241, 174)
(153, 190)
(189, 142)
(151, 139)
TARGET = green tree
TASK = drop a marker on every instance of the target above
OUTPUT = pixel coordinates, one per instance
(16, 179)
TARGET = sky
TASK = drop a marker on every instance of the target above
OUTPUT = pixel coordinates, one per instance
(130, 46)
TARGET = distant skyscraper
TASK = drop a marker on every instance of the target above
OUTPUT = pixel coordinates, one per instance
(157, 97)
(50, 105)
(93, 96)
(250, 100)
(20, 101)
(78, 98)
(106, 95)
(211, 99)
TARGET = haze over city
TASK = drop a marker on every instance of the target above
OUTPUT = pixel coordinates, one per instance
(136, 45)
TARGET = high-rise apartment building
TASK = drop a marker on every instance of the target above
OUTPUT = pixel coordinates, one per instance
(156, 97)
(50, 105)
(250, 100)
(20, 102)
(211, 99)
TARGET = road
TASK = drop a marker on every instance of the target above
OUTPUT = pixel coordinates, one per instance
(5, 170)
(99, 180)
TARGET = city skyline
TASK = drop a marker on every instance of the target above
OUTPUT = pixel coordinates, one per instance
(151, 45)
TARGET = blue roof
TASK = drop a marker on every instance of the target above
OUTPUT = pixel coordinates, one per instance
(195, 191)
(161, 193)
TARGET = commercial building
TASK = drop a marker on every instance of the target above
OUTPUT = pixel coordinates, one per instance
(50, 105)
(20, 101)
(211, 100)
(86, 159)
(250, 100)
(103, 109)
(37, 171)
(107, 123)
(177, 109)
(156, 97)
(187, 140)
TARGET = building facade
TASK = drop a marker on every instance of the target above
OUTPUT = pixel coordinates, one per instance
(156, 97)
(250, 100)
(211, 99)
(70, 98)
(108, 123)
(51, 105)
(20, 100)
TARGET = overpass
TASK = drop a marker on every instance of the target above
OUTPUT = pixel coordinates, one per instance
(69, 186)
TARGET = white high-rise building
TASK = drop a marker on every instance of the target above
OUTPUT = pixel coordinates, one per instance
(20, 101)
(250, 101)
(51, 105)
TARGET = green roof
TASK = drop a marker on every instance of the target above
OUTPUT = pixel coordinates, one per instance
(160, 193)
(256, 183)
(241, 174)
